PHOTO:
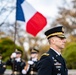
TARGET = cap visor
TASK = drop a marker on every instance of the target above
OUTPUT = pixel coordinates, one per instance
(61, 36)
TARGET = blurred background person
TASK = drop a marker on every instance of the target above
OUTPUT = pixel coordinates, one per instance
(31, 68)
(16, 62)
(2, 66)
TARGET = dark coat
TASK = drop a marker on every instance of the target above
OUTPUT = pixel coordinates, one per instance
(16, 66)
(32, 69)
(2, 68)
(51, 64)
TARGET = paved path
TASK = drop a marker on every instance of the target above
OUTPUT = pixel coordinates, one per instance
(8, 72)
(70, 72)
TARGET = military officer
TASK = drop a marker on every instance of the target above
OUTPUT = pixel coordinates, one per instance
(2, 66)
(17, 63)
(52, 62)
(31, 68)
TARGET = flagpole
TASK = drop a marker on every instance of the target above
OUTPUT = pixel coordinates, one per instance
(15, 33)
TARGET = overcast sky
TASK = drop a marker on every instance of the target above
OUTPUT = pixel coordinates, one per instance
(49, 8)
(46, 7)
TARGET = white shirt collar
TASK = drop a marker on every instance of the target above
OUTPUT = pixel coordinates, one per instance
(18, 59)
(56, 51)
(34, 59)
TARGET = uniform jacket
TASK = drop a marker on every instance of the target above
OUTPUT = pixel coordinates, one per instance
(52, 64)
(16, 66)
(2, 67)
(32, 69)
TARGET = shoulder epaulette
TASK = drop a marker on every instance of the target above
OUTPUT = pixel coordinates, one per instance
(45, 54)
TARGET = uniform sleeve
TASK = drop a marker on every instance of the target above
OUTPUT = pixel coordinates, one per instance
(2, 68)
(9, 62)
(45, 67)
(23, 64)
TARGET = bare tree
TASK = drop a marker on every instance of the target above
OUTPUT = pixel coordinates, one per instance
(67, 17)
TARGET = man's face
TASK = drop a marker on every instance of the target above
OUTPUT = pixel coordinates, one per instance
(18, 55)
(59, 42)
(34, 55)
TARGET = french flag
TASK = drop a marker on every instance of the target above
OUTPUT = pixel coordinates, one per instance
(34, 20)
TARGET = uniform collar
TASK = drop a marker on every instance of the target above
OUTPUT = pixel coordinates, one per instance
(34, 59)
(18, 59)
(56, 51)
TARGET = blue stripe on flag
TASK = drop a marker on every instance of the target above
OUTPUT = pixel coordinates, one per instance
(19, 11)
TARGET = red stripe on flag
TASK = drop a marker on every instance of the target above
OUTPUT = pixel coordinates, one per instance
(36, 24)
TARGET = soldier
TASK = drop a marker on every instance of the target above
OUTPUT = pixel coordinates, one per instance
(30, 68)
(17, 63)
(2, 66)
(51, 62)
